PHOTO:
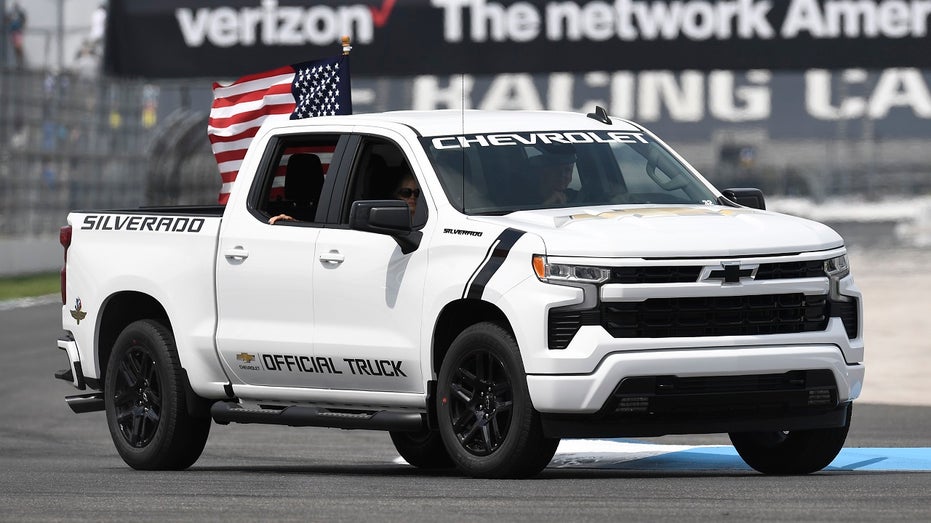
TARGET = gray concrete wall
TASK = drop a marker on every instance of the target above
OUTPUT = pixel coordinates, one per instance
(19, 256)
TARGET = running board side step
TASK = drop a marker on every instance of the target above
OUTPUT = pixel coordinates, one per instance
(225, 412)
(85, 402)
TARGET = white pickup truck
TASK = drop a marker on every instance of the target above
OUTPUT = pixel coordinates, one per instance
(479, 284)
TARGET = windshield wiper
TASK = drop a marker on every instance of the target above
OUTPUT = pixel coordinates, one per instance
(497, 212)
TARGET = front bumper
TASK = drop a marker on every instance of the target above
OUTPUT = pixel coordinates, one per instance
(593, 393)
(595, 426)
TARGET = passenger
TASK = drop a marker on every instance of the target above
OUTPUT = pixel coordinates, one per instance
(280, 218)
(408, 190)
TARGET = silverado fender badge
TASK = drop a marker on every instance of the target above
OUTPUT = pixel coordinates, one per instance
(77, 313)
(245, 357)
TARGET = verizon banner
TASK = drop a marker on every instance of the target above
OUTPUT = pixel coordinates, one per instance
(228, 38)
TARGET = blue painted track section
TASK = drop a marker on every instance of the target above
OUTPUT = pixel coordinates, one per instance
(855, 459)
(628, 455)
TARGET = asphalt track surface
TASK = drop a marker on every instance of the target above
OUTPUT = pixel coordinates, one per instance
(55, 465)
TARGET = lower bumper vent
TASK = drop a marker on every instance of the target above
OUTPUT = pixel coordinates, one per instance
(723, 395)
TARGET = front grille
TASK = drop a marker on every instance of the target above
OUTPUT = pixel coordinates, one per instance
(786, 270)
(715, 316)
(671, 274)
(684, 274)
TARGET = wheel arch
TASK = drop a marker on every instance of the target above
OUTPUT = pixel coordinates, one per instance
(456, 317)
(118, 311)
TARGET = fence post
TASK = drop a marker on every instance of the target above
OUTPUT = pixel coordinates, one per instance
(3, 35)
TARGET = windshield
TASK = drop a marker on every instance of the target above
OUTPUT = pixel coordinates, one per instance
(506, 172)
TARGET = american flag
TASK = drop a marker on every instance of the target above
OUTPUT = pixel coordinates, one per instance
(304, 90)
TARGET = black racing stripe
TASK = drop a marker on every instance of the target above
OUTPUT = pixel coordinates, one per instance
(488, 253)
(502, 246)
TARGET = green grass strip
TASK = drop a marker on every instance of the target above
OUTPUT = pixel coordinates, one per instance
(29, 286)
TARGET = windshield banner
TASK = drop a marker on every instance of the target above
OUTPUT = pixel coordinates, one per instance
(548, 138)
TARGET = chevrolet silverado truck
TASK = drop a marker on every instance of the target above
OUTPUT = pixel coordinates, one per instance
(550, 275)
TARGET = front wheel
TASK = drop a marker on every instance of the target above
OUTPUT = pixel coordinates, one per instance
(144, 397)
(791, 452)
(484, 411)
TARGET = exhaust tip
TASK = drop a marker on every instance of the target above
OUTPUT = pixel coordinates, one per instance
(85, 402)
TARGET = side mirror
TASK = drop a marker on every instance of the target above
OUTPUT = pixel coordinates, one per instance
(389, 217)
(744, 196)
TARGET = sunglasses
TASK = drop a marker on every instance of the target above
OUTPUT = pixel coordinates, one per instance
(407, 192)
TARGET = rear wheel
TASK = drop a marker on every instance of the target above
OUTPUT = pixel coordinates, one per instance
(145, 403)
(485, 415)
(423, 449)
(791, 452)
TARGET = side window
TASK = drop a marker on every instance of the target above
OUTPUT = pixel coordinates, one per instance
(382, 172)
(294, 179)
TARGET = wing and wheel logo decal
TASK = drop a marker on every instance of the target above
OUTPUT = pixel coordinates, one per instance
(77, 313)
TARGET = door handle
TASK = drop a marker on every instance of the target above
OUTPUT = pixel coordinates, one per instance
(236, 253)
(332, 257)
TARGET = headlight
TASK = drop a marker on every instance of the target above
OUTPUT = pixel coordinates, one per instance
(837, 267)
(562, 272)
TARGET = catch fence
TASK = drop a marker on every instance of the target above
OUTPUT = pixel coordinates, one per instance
(79, 141)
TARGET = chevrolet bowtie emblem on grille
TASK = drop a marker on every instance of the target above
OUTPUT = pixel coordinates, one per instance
(731, 273)
(245, 358)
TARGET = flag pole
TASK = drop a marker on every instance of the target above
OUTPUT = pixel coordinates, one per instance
(346, 46)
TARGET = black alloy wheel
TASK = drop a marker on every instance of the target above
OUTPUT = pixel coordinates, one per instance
(481, 403)
(147, 398)
(484, 412)
(138, 397)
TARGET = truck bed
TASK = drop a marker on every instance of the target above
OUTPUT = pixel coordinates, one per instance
(118, 258)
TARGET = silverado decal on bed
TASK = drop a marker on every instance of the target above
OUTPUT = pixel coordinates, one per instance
(117, 222)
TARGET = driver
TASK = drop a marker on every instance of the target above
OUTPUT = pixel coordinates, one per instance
(553, 169)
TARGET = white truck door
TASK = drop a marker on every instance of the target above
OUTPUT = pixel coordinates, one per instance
(265, 306)
(367, 294)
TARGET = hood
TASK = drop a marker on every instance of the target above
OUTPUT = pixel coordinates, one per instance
(669, 231)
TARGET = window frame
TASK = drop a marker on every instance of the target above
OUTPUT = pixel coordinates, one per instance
(350, 175)
(258, 197)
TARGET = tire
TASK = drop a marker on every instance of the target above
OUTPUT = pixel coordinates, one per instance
(484, 411)
(424, 450)
(791, 452)
(144, 396)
